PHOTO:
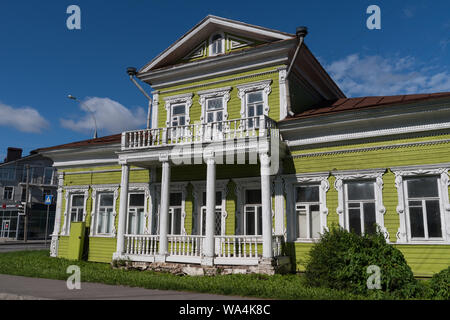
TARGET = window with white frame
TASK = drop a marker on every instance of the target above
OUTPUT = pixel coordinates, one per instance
(424, 208)
(253, 213)
(255, 107)
(254, 100)
(76, 208)
(105, 216)
(177, 109)
(307, 208)
(178, 117)
(8, 193)
(218, 213)
(216, 45)
(136, 213)
(360, 207)
(175, 213)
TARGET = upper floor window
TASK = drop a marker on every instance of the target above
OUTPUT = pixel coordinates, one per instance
(254, 100)
(217, 45)
(307, 207)
(177, 108)
(255, 107)
(8, 193)
(423, 206)
(178, 115)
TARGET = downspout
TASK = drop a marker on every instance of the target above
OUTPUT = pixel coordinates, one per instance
(301, 33)
(132, 73)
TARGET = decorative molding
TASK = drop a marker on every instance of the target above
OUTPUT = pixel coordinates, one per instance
(185, 99)
(96, 189)
(198, 52)
(223, 93)
(440, 170)
(234, 42)
(155, 110)
(69, 192)
(254, 86)
(283, 92)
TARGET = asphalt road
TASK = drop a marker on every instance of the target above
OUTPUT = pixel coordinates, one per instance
(23, 288)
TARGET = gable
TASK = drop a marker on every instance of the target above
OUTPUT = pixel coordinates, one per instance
(194, 44)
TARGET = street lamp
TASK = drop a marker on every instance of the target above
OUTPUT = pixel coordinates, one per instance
(92, 114)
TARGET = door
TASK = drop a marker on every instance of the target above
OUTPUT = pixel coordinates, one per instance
(6, 225)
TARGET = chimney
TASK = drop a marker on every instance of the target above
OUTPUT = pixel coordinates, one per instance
(13, 154)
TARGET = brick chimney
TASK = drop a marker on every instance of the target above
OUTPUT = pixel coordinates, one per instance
(13, 154)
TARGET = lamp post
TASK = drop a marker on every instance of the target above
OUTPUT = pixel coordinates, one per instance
(92, 114)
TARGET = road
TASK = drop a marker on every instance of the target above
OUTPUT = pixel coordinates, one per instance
(23, 288)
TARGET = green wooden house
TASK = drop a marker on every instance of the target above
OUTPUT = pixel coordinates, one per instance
(251, 153)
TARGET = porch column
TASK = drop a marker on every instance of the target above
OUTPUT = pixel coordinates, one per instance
(266, 201)
(58, 211)
(123, 210)
(210, 210)
(164, 213)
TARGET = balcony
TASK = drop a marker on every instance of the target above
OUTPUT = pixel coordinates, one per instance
(198, 133)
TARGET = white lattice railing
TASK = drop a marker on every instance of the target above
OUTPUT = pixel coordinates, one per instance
(199, 132)
(238, 246)
(189, 245)
(142, 244)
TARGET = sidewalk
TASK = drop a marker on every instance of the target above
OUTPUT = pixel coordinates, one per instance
(23, 288)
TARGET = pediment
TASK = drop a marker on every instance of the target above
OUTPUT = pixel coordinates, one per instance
(195, 43)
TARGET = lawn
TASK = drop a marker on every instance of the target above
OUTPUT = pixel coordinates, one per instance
(38, 264)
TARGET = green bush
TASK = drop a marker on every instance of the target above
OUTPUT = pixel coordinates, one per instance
(341, 259)
(439, 285)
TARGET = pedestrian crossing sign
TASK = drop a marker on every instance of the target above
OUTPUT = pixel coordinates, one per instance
(48, 199)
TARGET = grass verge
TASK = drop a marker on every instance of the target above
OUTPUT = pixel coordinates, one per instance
(38, 264)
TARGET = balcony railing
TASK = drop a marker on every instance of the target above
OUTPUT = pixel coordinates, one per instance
(146, 245)
(199, 132)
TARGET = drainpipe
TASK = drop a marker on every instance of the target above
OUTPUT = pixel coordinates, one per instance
(132, 73)
(301, 33)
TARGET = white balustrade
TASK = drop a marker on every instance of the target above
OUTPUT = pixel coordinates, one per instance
(141, 244)
(187, 245)
(238, 246)
(199, 132)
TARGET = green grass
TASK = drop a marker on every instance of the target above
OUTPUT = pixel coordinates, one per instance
(38, 264)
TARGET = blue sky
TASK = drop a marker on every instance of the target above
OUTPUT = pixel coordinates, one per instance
(41, 61)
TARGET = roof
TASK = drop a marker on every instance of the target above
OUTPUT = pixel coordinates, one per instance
(116, 138)
(191, 38)
(348, 104)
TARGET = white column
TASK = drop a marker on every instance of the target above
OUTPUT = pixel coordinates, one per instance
(123, 210)
(57, 226)
(164, 213)
(266, 205)
(279, 206)
(210, 210)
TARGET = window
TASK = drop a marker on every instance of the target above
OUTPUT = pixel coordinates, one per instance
(48, 175)
(253, 213)
(218, 212)
(216, 46)
(136, 213)
(360, 207)
(423, 206)
(8, 193)
(105, 211)
(175, 209)
(23, 195)
(255, 107)
(77, 208)
(307, 209)
(178, 115)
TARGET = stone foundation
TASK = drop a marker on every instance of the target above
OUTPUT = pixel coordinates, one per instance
(279, 265)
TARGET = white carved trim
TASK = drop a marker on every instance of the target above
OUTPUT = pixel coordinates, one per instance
(283, 93)
(403, 233)
(155, 110)
(178, 99)
(254, 86)
(96, 189)
(198, 52)
(69, 192)
(371, 174)
(214, 93)
(234, 42)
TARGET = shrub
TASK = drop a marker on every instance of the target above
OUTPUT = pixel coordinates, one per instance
(439, 285)
(341, 259)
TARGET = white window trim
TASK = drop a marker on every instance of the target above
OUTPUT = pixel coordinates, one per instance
(295, 180)
(200, 187)
(214, 93)
(135, 188)
(69, 192)
(96, 190)
(174, 188)
(185, 99)
(243, 89)
(403, 233)
(380, 210)
(210, 54)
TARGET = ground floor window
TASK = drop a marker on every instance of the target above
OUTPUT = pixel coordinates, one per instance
(360, 207)
(136, 213)
(175, 212)
(105, 219)
(307, 210)
(218, 213)
(253, 213)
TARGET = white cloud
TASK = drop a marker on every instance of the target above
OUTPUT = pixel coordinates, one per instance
(111, 116)
(377, 75)
(25, 119)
